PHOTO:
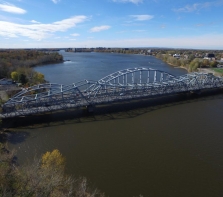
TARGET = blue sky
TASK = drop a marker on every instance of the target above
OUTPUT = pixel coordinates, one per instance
(111, 23)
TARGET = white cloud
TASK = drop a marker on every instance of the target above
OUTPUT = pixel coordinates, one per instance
(55, 1)
(33, 21)
(100, 28)
(6, 7)
(142, 17)
(38, 31)
(139, 30)
(129, 1)
(196, 42)
(198, 6)
(75, 34)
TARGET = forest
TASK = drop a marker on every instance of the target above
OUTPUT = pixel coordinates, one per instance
(17, 64)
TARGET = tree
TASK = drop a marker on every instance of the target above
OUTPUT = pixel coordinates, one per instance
(39, 77)
(22, 79)
(213, 64)
(53, 160)
(40, 177)
(205, 63)
(14, 76)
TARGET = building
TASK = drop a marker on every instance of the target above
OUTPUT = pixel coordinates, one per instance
(5, 81)
(176, 55)
(209, 56)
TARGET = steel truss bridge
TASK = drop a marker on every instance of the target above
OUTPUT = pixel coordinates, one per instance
(123, 85)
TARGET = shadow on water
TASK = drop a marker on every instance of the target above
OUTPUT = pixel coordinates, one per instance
(13, 137)
(123, 110)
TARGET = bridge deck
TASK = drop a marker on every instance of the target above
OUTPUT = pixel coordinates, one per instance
(123, 85)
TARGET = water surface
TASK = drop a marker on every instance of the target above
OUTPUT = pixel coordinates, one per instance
(171, 149)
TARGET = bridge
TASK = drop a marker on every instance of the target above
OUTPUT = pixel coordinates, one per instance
(128, 84)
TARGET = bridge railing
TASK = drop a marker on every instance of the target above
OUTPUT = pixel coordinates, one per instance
(122, 85)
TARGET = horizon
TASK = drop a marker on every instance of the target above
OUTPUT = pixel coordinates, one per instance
(111, 24)
(64, 48)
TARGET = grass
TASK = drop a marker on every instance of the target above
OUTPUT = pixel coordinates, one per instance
(219, 70)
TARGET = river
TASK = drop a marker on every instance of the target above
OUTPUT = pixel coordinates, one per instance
(171, 149)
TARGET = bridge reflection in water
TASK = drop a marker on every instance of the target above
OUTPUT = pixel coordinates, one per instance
(123, 85)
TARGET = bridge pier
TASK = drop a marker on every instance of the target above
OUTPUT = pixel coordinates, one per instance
(90, 108)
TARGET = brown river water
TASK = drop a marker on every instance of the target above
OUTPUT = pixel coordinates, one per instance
(169, 147)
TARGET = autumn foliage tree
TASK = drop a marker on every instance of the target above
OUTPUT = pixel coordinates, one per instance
(53, 161)
(44, 177)
(14, 76)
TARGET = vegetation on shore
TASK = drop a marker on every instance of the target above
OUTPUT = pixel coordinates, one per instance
(190, 63)
(43, 177)
(17, 64)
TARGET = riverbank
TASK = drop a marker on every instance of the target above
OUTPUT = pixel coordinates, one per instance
(182, 67)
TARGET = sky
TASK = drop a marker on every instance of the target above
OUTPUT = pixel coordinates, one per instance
(196, 24)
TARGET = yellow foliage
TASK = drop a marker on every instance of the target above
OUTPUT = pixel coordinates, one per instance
(40, 76)
(14, 76)
(53, 160)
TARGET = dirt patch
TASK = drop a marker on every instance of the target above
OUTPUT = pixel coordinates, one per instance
(3, 95)
(208, 70)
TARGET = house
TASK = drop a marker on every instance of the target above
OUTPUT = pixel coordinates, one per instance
(5, 81)
(176, 55)
(209, 56)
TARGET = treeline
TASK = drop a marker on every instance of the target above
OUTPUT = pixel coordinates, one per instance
(22, 61)
(122, 50)
(43, 177)
(189, 62)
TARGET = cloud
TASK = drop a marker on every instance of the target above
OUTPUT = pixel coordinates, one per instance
(55, 1)
(163, 26)
(196, 42)
(199, 25)
(139, 30)
(142, 17)
(198, 6)
(129, 1)
(100, 28)
(38, 31)
(6, 7)
(33, 21)
(75, 34)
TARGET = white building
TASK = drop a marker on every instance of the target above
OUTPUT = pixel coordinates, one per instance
(176, 55)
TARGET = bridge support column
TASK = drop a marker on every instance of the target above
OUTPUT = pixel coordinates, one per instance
(90, 108)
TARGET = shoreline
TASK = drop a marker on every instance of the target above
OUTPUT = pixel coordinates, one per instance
(44, 64)
(173, 65)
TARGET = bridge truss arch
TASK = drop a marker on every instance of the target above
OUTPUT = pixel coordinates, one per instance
(122, 85)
